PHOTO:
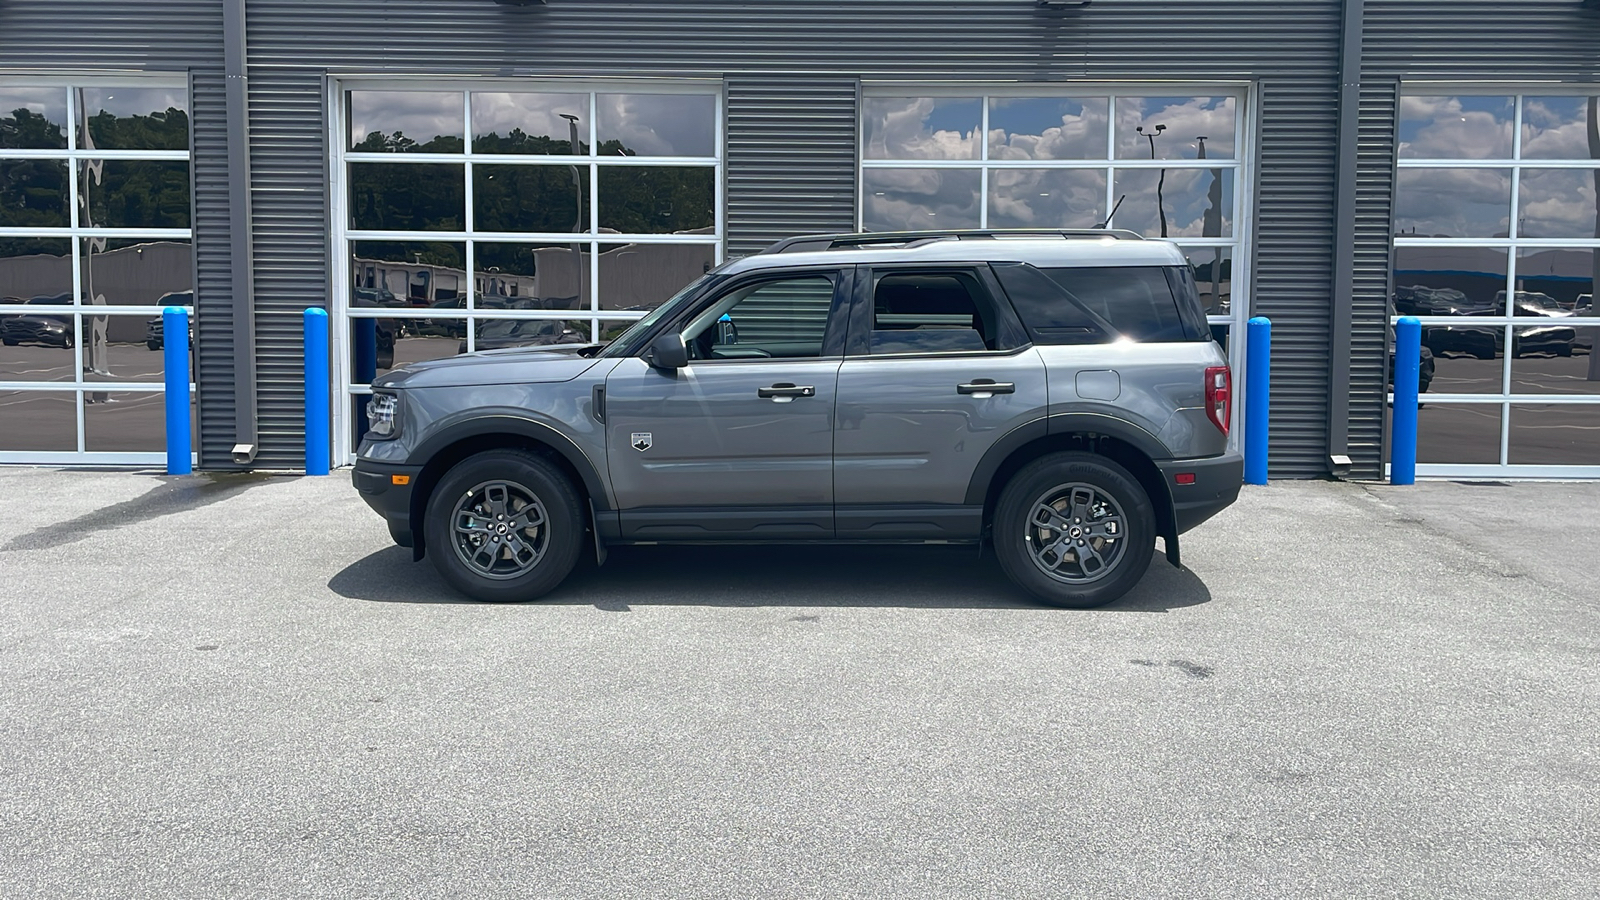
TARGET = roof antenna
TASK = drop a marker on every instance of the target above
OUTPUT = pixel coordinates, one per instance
(1113, 214)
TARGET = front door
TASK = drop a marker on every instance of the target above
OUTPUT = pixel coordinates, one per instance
(938, 370)
(738, 444)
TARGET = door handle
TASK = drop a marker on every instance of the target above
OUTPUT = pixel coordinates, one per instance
(986, 386)
(783, 390)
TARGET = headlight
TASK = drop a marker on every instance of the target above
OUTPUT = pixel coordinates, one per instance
(383, 416)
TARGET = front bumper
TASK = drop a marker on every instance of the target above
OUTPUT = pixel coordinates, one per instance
(376, 482)
(1217, 480)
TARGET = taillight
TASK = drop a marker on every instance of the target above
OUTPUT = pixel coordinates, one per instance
(1219, 396)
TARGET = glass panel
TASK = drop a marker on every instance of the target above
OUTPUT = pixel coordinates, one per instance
(124, 193)
(406, 122)
(499, 334)
(1562, 363)
(657, 200)
(639, 277)
(35, 267)
(1558, 127)
(1464, 433)
(656, 124)
(1452, 202)
(379, 345)
(38, 420)
(1175, 202)
(1047, 128)
(133, 119)
(1448, 281)
(919, 199)
(408, 274)
(127, 421)
(1176, 127)
(1213, 277)
(136, 272)
(1051, 198)
(33, 194)
(127, 348)
(1558, 203)
(921, 127)
(1554, 435)
(1556, 281)
(531, 276)
(1456, 127)
(407, 197)
(33, 118)
(34, 346)
(531, 198)
(1463, 359)
(530, 123)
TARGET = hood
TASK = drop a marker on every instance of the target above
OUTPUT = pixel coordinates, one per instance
(517, 365)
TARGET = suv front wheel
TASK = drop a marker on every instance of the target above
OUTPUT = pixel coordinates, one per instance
(504, 526)
(1074, 529)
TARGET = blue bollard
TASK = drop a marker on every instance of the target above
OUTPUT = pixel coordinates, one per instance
(1257, 399)
(318, 449)
(175, 359)
(1403, 429)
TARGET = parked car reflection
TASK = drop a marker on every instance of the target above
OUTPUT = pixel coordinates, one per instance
(51, 331)
(1556, 339)
(501, 334)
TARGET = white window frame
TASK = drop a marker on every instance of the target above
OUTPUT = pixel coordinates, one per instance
(74, 234)
(1242, 164)
(341, 313)
(1506, 398)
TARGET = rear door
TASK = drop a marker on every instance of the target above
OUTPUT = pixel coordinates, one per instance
(937, 369)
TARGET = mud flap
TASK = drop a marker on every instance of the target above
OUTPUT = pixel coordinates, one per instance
(599, 545)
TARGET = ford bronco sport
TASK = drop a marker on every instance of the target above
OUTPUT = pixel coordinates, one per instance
(1054, 394)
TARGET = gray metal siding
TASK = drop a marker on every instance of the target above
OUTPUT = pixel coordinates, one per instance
(788, 66)
(1369, 341)
(1438, 40)
(791, 158)
(214, 356)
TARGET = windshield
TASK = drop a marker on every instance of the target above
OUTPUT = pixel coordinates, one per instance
(621, 345)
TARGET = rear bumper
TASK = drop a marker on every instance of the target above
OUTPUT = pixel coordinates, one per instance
(1216, 485)
(376, 484)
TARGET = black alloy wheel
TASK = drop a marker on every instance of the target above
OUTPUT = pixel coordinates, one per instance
(504, 526)
(1074, 529)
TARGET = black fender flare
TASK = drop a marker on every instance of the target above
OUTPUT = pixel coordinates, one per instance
(1068, 423)
(481, 422)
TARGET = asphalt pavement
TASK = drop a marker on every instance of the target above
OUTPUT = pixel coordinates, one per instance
(236, 686)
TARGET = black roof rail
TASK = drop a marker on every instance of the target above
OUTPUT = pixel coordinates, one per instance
(810, 242)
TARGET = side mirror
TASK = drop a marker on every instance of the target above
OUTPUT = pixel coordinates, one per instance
(668, 352)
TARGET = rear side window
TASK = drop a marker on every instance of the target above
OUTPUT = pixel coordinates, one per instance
(1139, 301)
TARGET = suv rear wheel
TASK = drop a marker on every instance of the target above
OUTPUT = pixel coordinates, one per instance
(1074, 529)
(504, 526)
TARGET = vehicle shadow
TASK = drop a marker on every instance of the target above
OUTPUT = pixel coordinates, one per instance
(917, 577)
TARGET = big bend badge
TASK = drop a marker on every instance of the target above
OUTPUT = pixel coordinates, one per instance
(642, 441)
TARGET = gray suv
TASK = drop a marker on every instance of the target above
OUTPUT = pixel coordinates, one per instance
(1054, 394)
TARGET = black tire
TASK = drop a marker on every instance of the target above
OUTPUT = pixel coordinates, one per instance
(562, 534)
(1564, 350)
(153, 345)
(9, 342)
(1015, 531)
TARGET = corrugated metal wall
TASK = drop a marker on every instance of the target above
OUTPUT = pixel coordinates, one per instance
(791, 158)
(214, 357)
(791, 66)
(1437, 40)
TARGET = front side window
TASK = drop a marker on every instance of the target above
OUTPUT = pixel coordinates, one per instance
(782, 319)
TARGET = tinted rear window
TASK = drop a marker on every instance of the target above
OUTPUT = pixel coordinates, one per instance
(1137, 300)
